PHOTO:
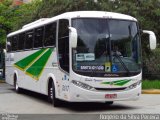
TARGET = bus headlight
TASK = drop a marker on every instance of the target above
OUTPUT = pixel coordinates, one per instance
(82, 85)
(134, 85)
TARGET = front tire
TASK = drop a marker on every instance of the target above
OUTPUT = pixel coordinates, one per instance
(16, 87)
(51, 95)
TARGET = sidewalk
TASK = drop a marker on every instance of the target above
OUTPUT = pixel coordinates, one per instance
(151, 91)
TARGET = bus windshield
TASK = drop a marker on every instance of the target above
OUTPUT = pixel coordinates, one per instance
(106, 46)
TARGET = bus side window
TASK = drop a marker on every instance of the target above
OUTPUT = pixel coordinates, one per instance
(29, 40)
(21, 41)
(14, 43)
(38, 41)
(50, 34)
(63, 44)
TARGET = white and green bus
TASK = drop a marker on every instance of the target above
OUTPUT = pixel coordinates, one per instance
(83, 56)
(2, 66)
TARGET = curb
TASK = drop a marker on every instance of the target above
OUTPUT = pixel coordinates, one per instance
(151, 91)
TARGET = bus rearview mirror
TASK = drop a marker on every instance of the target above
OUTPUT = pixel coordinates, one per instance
(152, 39)
(73, 37)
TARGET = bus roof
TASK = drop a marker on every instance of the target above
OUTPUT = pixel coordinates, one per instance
(75, 14)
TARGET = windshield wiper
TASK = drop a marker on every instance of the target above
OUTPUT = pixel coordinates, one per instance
(121, 61)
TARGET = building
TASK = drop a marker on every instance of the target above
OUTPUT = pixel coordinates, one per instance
(26, 1)
(19, 2)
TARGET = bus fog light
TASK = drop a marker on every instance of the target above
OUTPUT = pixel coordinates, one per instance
(82, 85)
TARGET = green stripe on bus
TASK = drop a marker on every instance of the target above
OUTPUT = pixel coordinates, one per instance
(118, 83)
(37, 67)
(22, 64)
(122, 83)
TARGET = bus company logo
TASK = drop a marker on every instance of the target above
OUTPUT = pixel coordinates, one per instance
(93, 80)
(111, 75)
(117, 82)
(88, 79)
(111, 83)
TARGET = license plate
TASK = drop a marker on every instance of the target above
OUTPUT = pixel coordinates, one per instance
(110, 96)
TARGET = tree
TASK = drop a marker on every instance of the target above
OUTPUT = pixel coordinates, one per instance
(14, 17)
(5, 25)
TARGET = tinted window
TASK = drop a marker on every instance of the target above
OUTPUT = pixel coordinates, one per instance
(63, 26)
(29, 40)
(14, 43)
(50, 34)
(38, 41)
(63, 44)
(21, 41)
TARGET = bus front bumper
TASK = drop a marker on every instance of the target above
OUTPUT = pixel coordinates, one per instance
(78, 94)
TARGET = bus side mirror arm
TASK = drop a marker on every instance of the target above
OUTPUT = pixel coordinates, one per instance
(152, 39)
(73, 37)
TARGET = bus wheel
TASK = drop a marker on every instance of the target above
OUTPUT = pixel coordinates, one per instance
(16, 87)
(109, 102)
(51, 95)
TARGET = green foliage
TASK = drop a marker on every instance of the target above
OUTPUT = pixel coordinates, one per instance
(14, 17)
(146, 11)
(4, 23)
(148, 84)
(25, 14)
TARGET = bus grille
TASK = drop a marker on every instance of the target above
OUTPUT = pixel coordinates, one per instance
(110, 89)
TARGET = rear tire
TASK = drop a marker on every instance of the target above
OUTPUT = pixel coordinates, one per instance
(51, 95)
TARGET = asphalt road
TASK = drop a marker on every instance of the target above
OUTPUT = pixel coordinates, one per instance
(33, 103)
